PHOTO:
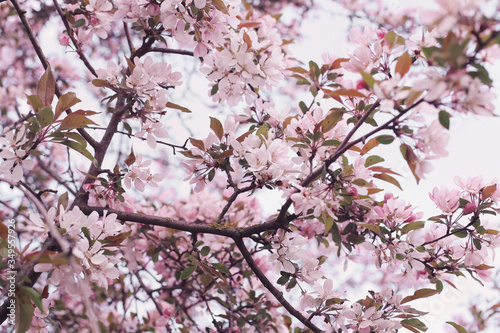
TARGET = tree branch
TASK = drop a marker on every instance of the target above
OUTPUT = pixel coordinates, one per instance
(173, 51)
(270, 286)
(78, 47)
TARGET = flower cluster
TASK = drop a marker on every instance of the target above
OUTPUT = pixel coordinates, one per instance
(94, 242)
(13, 157)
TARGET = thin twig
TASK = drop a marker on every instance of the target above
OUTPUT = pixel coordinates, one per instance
(172, 51)
(77, 45)
(270, 286)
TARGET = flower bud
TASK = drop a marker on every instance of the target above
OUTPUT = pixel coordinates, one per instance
(469, 208)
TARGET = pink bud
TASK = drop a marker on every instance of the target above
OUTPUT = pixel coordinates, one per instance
(352, 191)
(469, 208)
(64, 40)
(361, 84)
(381, 33)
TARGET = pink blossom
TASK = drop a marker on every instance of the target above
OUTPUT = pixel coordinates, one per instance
(446, 200)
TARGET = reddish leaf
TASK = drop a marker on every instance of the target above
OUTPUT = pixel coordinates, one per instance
(421, 293)
(197, 143)
(404, 63)
(47, 87)
(216, 126)
(387, 178)
(488, 191)
(75, 120)
(411, 159)
(65, 102)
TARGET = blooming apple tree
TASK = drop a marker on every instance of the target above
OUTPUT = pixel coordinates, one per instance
(106, 240)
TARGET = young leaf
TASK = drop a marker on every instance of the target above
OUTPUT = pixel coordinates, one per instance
(444, 119)
(187, 272)
(411, 159)
(374, 159)
(385, 139)
(178, 107)
(36, 102)
(331, 120)
(45, 116)
(65, 102)
(387, 178)
(24, 311)
(47, 87)
(63, 200)
(421, 293)
(216, 126)
(459, 328)
(75, 120)
(404, 63)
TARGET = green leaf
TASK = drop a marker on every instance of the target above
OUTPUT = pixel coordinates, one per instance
(216, 126)
(47, 87)
(374, 159)
(385, 139)
(262, 131)
(79, 148)
(45, 116)
(459, 328)
(34, 295)
(412, 226)
(205, 251)
(187, 272)
(331, 143)
(76, 137)
(303, 107)
(373, 227)
(178, 107)
(35, 101)
(461, 233)
(314, 66)
(79, 23)
(331, 120)
(221, 268)
(415, 323)
(482, 74)
(214, 90)
(24, 310)
(394, 39)
(444, 119)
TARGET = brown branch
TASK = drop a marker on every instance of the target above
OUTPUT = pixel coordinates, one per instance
(172, 51)
(270, 286)
(77, 45)
(192, 227)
